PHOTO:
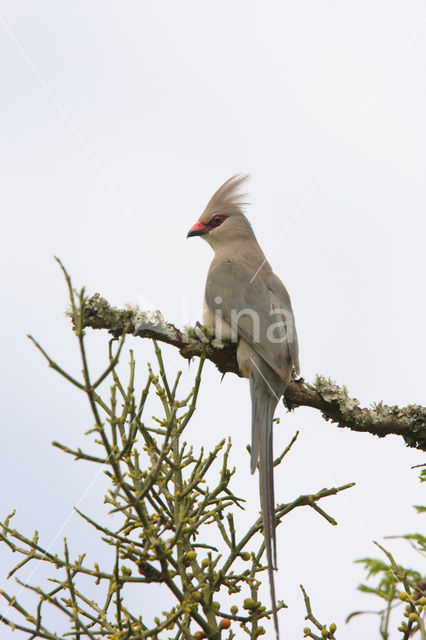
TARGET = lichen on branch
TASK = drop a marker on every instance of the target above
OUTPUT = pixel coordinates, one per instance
(332, 400)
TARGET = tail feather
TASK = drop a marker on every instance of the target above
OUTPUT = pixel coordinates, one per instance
(255, 426)
(269, 472)
(263, 407)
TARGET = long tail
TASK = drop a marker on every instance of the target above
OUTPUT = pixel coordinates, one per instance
(263, 402)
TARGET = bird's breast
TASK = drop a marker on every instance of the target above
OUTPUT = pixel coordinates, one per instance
(223, 331)
(214, 321)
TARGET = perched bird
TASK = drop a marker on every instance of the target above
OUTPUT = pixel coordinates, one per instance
(247, 303)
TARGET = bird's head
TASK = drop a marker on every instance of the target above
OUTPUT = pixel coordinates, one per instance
(223, 219)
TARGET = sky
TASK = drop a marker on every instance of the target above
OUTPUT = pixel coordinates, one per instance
(118, 122)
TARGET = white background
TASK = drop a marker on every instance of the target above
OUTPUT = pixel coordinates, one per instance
(118, 121)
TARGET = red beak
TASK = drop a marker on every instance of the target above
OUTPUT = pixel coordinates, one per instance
(198, 229)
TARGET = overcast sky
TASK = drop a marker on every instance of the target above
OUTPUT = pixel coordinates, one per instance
(118, 121)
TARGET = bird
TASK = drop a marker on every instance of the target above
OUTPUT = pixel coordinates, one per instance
(246, 303)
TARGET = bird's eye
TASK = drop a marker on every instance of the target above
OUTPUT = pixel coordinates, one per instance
(217, 220)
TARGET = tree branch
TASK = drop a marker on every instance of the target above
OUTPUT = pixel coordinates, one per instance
(333, 401)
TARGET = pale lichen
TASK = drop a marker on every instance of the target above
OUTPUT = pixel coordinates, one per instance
(153, 321)
(331, 392)
(199, 332)
(218, 344)
(379, 419)
(102, 314)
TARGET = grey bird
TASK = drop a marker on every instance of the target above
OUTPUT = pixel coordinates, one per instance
(247, 303)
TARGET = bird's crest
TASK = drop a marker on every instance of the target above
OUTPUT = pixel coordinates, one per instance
(227, 199)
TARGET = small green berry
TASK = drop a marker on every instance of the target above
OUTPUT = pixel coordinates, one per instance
(245, 555)
(249, 603)
(333, 627)
(234, 610)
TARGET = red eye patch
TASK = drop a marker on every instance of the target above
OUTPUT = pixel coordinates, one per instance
(216, 221)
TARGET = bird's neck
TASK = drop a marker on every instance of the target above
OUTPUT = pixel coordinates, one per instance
(248, 252)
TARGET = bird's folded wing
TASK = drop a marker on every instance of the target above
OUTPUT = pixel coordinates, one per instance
(259, 311)
(280, 293)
